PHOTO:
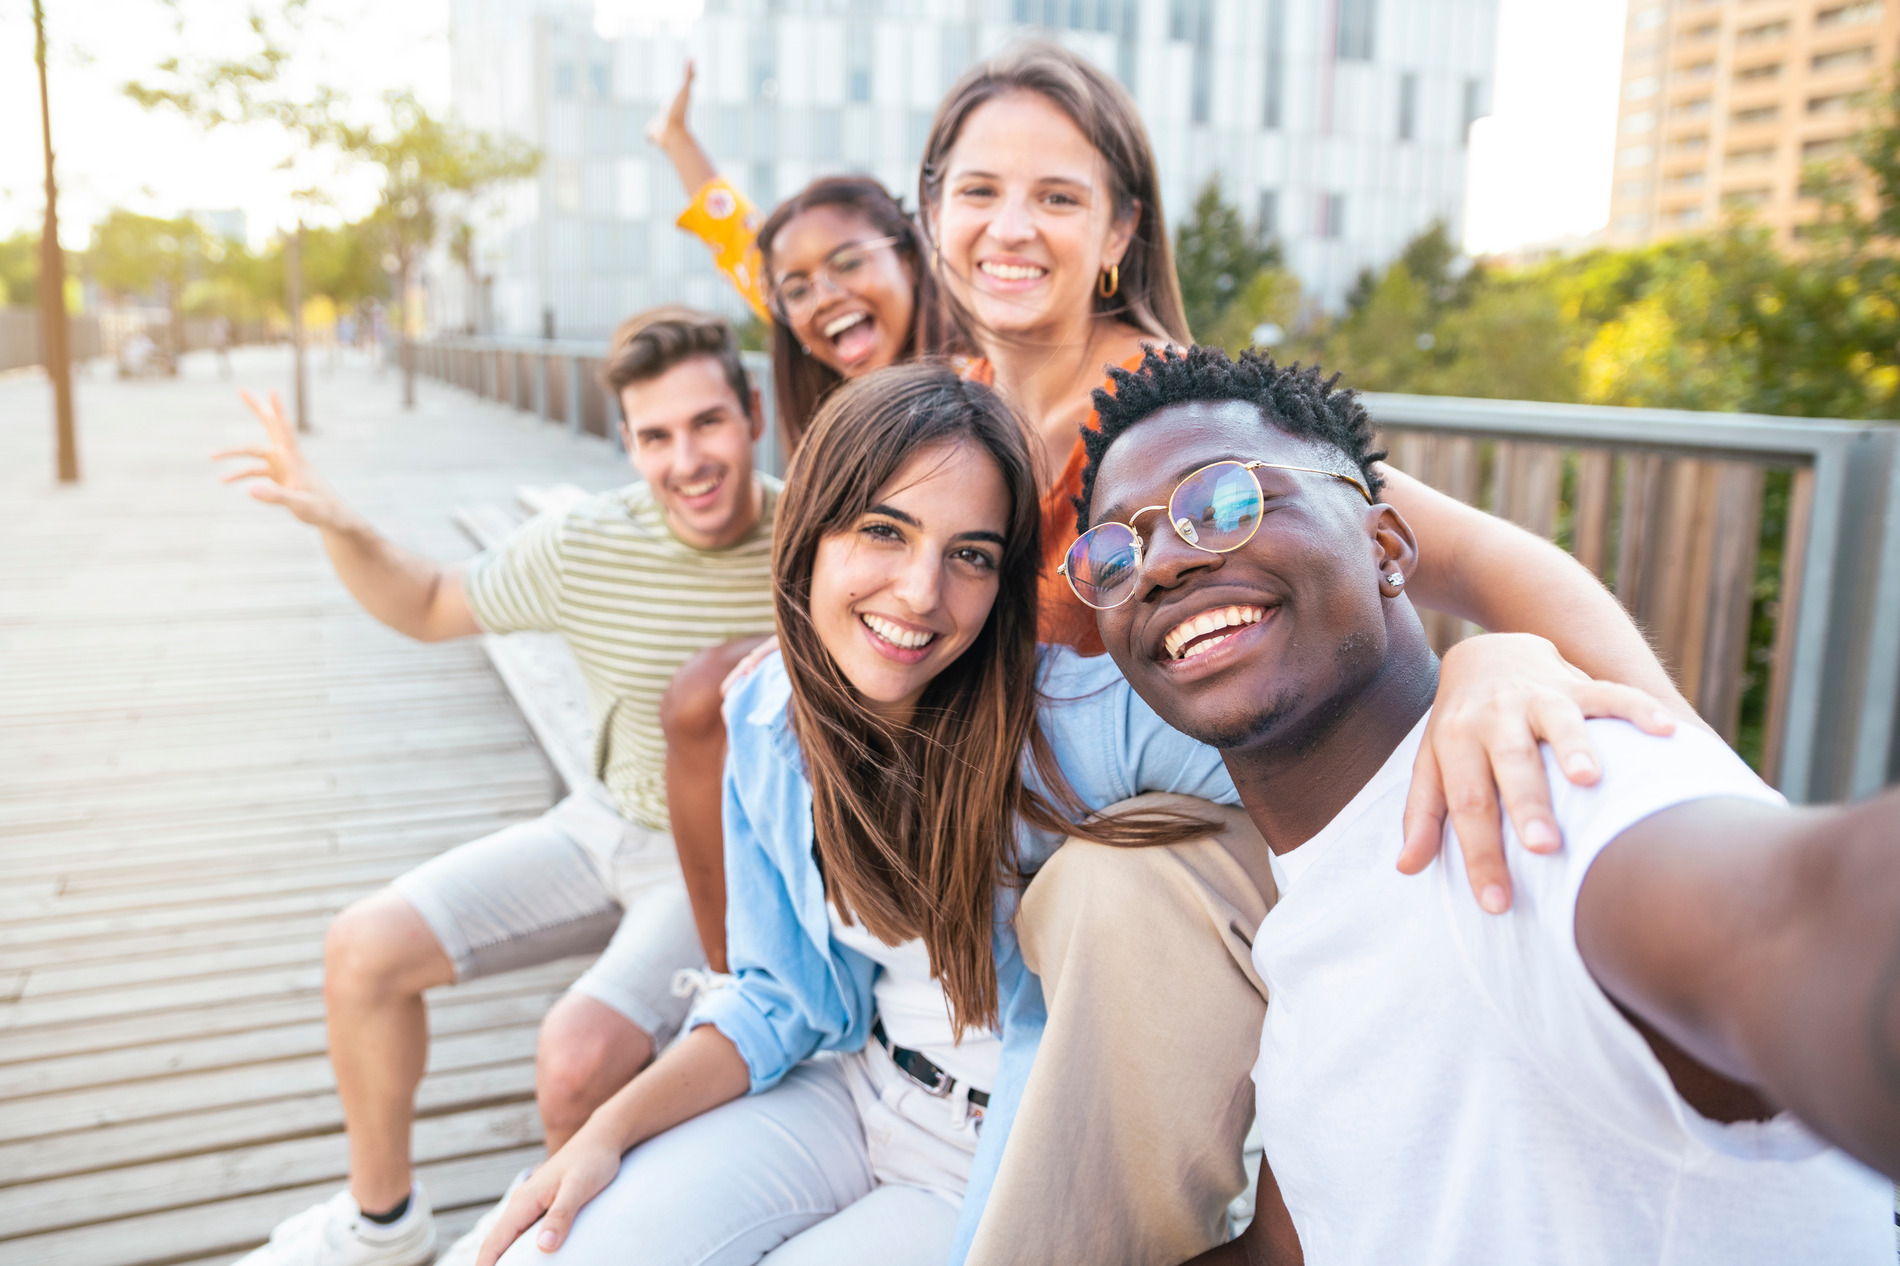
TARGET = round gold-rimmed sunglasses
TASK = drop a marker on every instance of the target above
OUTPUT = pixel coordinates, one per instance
(1216, 509)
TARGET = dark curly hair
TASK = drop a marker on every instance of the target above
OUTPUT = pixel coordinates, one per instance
(1294, 399)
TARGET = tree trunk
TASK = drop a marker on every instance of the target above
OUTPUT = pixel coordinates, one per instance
(55, 338)
(405, 350)
(175, 297)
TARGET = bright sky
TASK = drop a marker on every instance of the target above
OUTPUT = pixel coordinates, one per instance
(1540, 165)
(110, 152)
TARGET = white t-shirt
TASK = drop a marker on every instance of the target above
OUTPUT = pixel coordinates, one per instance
(1441, 1085)
(915, 1012)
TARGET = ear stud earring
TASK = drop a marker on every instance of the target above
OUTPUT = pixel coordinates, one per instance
(1396, 580)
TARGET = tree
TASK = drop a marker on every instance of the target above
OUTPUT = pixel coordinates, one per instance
(20, 270)
(345, 264)
(1217, 257)
(134, 254)
(422, 158)
(56, 325)
(425, 159)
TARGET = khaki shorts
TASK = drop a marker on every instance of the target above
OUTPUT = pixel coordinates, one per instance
(579, 879)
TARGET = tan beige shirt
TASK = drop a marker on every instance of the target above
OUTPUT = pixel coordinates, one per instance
(634, 602)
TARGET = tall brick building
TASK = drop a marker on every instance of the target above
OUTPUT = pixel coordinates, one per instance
(1726, 102)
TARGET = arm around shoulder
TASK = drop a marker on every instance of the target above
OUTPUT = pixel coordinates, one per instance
(1497, 575)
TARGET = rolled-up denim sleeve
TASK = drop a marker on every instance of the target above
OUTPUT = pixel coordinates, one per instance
(792, 993)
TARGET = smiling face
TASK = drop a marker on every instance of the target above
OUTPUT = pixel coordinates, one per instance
(691, 438)
(897, 596)
(858, 316)
(1271, 640)
(1027, 220)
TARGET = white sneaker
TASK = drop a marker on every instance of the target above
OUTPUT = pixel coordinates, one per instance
(464, 1250)
(335, 1233)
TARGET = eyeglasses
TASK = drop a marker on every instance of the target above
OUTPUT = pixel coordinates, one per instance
(797, 296)
(1217, 509)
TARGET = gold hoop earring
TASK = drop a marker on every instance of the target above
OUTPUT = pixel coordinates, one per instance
(1109, 282)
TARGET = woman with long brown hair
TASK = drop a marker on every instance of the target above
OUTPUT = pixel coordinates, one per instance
(891, 773)
(838, 273)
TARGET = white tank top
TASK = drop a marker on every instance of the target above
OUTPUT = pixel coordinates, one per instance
(915, 1012)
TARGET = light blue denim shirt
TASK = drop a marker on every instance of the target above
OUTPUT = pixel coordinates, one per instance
(795, 991)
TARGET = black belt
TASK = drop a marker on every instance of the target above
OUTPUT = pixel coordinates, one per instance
(919, 1069)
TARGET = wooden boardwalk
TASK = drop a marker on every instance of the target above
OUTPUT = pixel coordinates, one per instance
(206, 749)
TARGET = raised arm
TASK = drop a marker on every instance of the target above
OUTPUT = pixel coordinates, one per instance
(413, 595)
(670, 132)
(1765, 944)
(716, 213)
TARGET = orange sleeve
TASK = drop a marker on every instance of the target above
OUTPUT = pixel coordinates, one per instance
(720, 216)
(1064, 617)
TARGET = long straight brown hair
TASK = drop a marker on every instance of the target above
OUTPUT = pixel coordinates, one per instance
(1148, 294)
(916, 823)
(801, 381)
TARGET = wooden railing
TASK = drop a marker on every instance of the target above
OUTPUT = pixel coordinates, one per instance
(558, 379)
(1760, 554)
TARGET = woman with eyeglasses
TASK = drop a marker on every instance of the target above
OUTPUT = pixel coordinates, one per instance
(837, 270)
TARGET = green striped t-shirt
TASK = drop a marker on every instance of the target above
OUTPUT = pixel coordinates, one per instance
(634, 602)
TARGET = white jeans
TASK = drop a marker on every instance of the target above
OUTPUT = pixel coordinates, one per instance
(845, 1161)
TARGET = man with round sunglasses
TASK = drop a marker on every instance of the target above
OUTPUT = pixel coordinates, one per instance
(1216, 508)
(1677, 1046)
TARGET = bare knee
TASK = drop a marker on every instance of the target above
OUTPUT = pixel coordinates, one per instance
(378, 949)
(585, 1052)
(689, 707)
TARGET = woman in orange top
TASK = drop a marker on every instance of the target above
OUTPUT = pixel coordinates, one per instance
(1041, 206)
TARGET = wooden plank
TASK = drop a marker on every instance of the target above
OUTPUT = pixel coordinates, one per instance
(1590, 517)
(260, 1082)
(244, 1222)
(1794, 551)
(1529, 478)
(218, 1129)
(1735, 543)
(546, 682)
(254, 1044)
(549, 498)
(114, 1032)
(185, 799)
(486, 525)
(1683, 595)
(80, 1199)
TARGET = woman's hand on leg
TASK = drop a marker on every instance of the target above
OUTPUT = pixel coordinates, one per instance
(1499, 697)
(557, 1191)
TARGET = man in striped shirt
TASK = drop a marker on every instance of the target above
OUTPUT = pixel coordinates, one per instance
(637, 580)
